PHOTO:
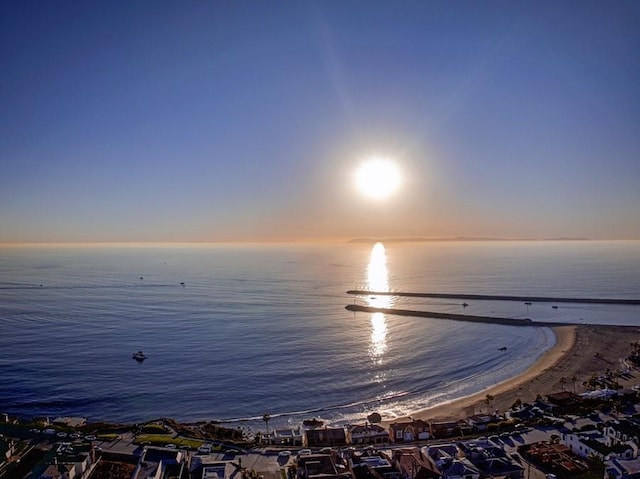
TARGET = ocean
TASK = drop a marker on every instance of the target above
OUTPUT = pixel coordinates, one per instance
(233, 331)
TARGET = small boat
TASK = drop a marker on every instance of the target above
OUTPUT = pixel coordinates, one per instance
(528, 303)
(139, 356)
(503, 348)
(554, 307)
(464, 305)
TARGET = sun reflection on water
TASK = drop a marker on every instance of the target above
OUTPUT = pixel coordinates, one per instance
(378, 280)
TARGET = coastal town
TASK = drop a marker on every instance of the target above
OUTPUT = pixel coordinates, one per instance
(561, 435)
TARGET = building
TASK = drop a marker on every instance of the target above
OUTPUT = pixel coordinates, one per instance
(371, 464)
(622, 468)
(209, 467)
(480, 422)
(414, 464)
(445, 429)
(367, 434)
(283, 437)
(459, 469)
(68, 463)
(623, 431)
(326, 437)
(443, 452)
(593, 443)
(316, 466)
(408, 431)
(158, 462)
(564, 402)
(557, 458)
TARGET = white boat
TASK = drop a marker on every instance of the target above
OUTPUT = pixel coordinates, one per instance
(139, 356)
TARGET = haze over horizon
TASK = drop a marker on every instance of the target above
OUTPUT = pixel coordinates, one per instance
(229, 121)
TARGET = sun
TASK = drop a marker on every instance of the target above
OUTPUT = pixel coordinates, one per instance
(378, 178)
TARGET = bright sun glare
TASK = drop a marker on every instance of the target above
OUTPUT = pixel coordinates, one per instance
(378, 178)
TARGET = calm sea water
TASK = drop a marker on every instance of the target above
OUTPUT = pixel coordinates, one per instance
(262, 328)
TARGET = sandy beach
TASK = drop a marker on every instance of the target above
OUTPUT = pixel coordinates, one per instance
(579, 352)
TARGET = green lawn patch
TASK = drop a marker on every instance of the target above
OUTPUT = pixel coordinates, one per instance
(153, 429)
(164, 439)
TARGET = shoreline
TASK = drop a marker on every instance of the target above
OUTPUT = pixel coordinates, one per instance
(579, 352)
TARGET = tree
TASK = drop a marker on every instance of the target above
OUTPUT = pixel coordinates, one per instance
(266, 419)
(573, 380)
(374, 418)
(489, 400)
(563, 381)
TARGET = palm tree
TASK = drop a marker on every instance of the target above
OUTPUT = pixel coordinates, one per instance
(489, 400)
(563, 381)
(573, 380)
(266, 419)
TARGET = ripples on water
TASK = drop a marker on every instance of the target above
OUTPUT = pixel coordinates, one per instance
(263, 328)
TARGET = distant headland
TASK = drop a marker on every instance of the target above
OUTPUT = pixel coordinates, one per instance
(456, 238)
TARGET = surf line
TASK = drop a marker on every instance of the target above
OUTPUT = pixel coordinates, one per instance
(496, 297)
(455, 317)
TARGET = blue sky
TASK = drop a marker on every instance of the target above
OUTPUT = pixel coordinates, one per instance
(239, 120)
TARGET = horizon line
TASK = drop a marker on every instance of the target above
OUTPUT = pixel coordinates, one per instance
(461, 239)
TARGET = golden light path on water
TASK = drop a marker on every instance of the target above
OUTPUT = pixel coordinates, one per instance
(378, 280)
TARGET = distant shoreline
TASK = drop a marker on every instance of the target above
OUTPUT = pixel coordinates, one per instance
(457, 238)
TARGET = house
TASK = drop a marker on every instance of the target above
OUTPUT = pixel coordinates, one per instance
(443, 452)
(160, 462)
(326, 437)
(58, 471)
(414, 464)
(318, 466)
(283, 437)
(556, 457)
(371, 464)
(623, 430)
(622, 468)
(115, 466)
(209, 467)
(367, 434)
(7, 449)
(480, 422)
(459, 469)
(68, 463)
(444, 429)
(491, 460)
(564, 402)
(480, 450)
(408, 431)
(593, 443)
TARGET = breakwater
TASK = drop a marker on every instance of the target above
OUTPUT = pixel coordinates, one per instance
(496, 297)
(454, 317)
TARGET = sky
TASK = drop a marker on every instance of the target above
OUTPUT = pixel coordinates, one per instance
(246, 120)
